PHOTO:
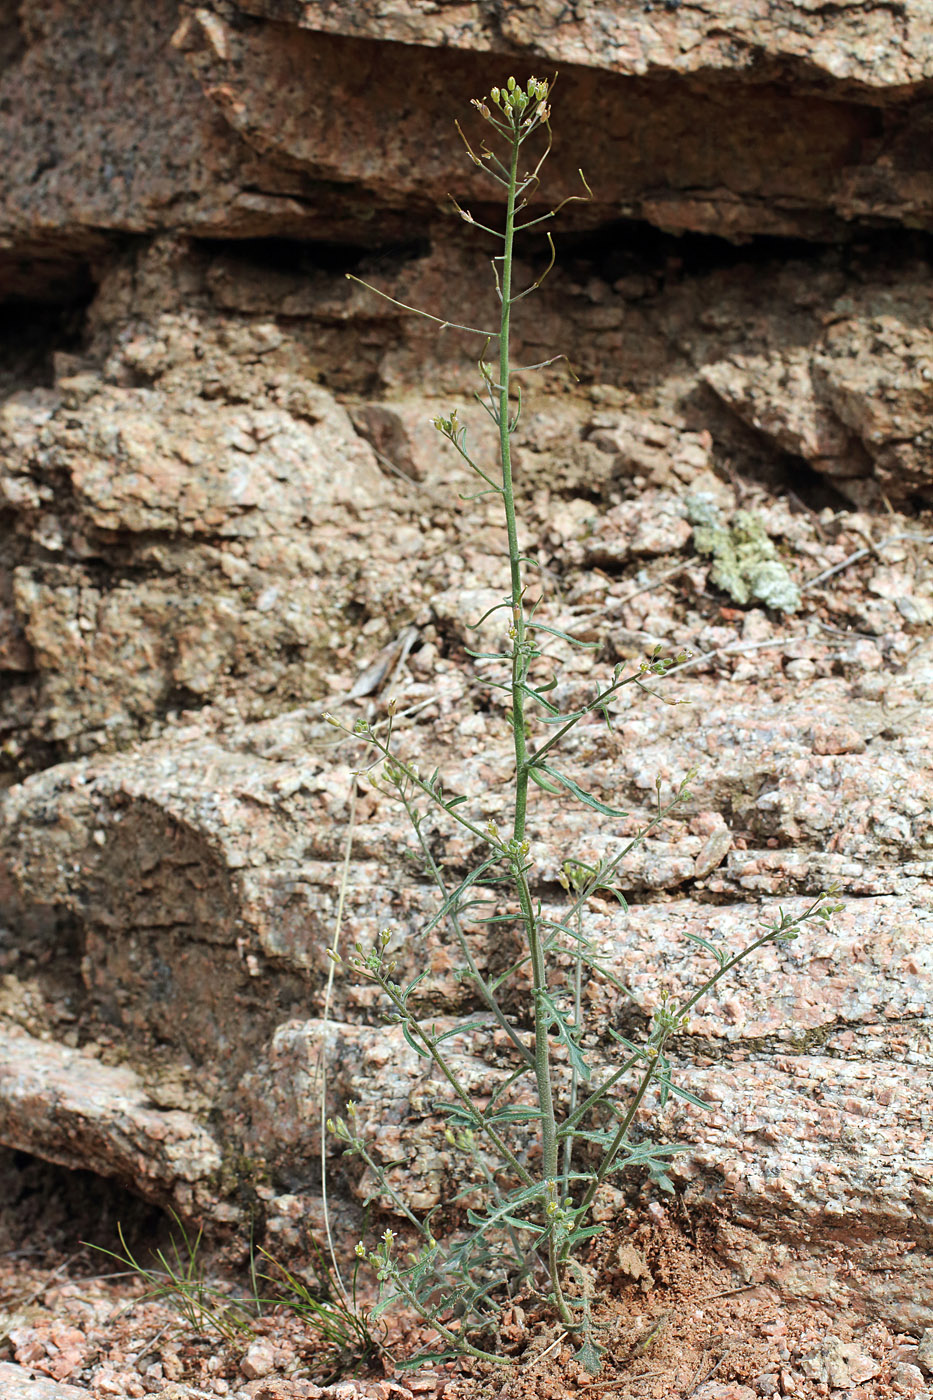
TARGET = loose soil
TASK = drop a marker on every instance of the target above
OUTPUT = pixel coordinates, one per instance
(674, 1322)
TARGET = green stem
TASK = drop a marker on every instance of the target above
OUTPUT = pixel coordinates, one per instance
(387, 1187)
(455, 1339)
(613, 1150)
(542, 1053)
(574, 1076)
(476, 1116)
(479, 980)
(519, 664)
(417, 781)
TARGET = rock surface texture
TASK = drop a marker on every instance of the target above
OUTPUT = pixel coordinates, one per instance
(223, 509)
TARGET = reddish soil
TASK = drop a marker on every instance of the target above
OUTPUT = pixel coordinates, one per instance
(673, 1323)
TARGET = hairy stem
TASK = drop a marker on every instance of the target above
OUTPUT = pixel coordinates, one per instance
(430, 1046)
(477, 977)
(542, 1051)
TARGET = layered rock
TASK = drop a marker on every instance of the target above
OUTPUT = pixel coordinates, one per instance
(224, 509)
(269, 119)
(201, 879)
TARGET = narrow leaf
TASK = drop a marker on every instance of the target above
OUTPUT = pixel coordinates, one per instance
(413, 984)
(462, 1030)
(514, 1115)
(564, 636)
(717, 953)
(565, 719)
(680, 1093)
(587, 798)
(540, 781)
(418, 1049)
(536, 695)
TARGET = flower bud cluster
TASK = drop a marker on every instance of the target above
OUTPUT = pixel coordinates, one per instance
(659, 665)
(340, 1129)
(448, 427)
(373, 963)
(464, 1139)
(574, 876)
(522, 105)
(668, 1016)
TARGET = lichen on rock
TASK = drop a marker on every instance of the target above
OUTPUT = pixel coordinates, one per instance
(746, 564)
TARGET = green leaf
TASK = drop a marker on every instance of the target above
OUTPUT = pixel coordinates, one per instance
(564, 719)
(462, 1030)
(475, 626)
(717, 953)
(573, 933)
(566, 1036)
(456, 1112)
(413, 984)
(422, 1359)
(504, 976)
(613, 890)
(535, 776)
(599, 1136)
(629, 1045)
(385, 1304)
(589, 1357)
(518, 1224)
(470, 1190)
(519, 1073)
(506, 1206)
(585, 797)
(665, 1083)
(536, 695)
(499, 918)
(564, 636)
(418, 1049)
(514, 1115)
(587, 1233)
(680, 1093)
(453, 900)
(483, 1222)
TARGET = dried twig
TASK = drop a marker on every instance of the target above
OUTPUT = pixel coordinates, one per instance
(37, 1293)
(862, 553)
(711, 1372)
(739, 648)
(547, 1351)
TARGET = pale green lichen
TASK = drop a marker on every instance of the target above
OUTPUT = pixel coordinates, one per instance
(746, 564)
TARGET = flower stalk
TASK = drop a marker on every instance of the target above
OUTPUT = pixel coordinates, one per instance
(536, 1205)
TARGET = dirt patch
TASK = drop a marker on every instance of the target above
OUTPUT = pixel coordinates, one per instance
(668, 1313)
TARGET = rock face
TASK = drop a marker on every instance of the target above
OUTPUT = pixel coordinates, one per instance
(224, 509)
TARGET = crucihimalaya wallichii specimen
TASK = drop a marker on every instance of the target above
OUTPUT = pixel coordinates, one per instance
(535, 1166)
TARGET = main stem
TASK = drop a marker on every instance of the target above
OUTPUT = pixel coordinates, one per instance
(549, 1147)
(519, 661)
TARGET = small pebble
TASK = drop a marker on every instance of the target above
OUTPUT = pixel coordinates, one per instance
(908, 1378)
(258, 1361)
